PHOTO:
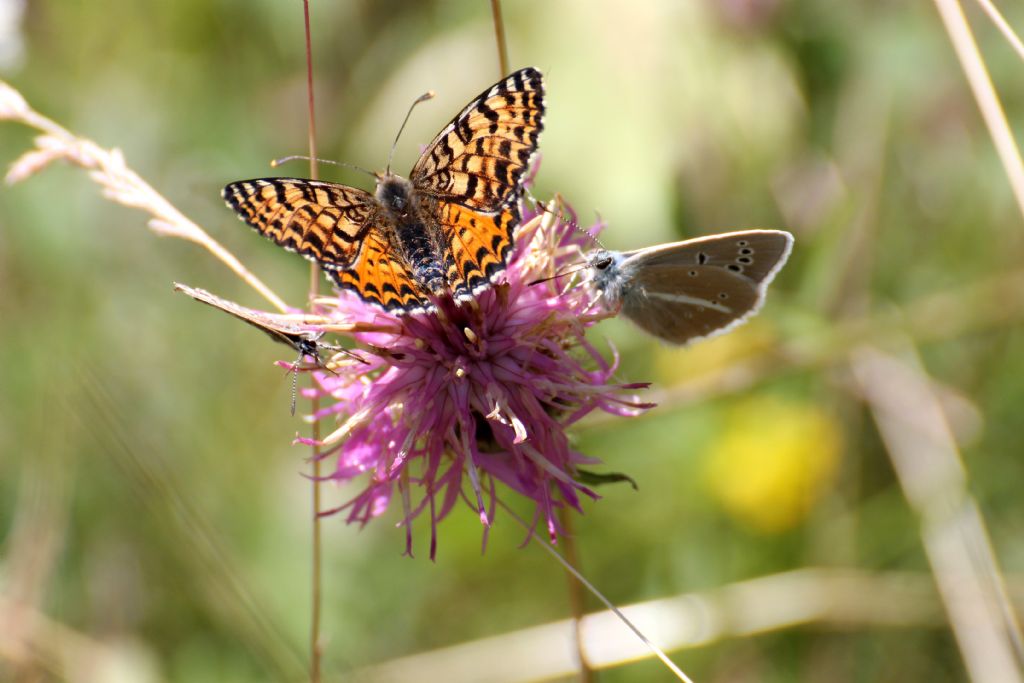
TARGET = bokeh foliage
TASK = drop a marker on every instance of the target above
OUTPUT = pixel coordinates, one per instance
(145, 440)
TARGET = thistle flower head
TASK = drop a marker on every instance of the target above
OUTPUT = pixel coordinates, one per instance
(452, 404)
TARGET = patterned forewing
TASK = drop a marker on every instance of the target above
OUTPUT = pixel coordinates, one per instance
(478, 160)
(755, 254)
(479, 245)
(377, 277)
(325, 222)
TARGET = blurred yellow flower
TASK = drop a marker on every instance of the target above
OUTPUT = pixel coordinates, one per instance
(773, 461)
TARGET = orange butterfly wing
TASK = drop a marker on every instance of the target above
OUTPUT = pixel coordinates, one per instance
(325, 222)
(380, 279)
(478, 160)
(336, 225)
(472, 176)
(474, 171)
(478, 243)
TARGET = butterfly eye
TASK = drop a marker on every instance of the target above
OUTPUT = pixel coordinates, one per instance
(604, 263)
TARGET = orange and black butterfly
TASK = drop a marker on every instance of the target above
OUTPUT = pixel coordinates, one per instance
(446, 230)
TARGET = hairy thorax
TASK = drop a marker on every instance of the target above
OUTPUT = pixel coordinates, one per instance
(607, 275)
(415, 234)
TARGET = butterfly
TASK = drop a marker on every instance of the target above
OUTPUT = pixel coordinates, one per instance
(304, 341)
(446, 230)
(278, 328)
(698, 288)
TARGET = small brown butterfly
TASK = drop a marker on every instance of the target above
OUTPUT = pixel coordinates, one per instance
(283, 330)
(447, 230)
(685, 291)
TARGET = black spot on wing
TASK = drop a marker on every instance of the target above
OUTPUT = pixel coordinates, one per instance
(464, 131)
(501, 171)
(313, 239)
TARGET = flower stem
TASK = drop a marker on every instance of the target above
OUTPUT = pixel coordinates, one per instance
(499, 37)
(575, 589)
(315, 652)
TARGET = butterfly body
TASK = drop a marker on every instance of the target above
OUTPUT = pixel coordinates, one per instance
(447, 230)
(415, 237)
(684, 291)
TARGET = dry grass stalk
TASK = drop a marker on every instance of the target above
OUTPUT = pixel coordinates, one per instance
(985, 94)
(934, 481)
(120, 184)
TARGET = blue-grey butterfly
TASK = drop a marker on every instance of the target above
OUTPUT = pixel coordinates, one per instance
(698, 288)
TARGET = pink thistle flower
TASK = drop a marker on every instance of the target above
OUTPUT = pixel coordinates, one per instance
(482, 392)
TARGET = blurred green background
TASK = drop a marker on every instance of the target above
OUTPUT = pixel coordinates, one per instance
(151, 504)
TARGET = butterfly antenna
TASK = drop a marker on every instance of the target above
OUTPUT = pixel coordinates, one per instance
(600, 222)
(422, 98)
(575, 269)
(295, 381)
(568, 217)
(277, 162)
(571, 219)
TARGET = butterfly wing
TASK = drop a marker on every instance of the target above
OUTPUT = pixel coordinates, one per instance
(478, 245)
(336, 225)
(710, 300)
(324, 222)
(380, 279)
(473, 172)
(689, 290)
(755, 254)
(478, 160)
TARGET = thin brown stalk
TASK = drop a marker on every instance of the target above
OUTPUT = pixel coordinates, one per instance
(575, 590)
(984, 93)
(315, 647)
(499, 37)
